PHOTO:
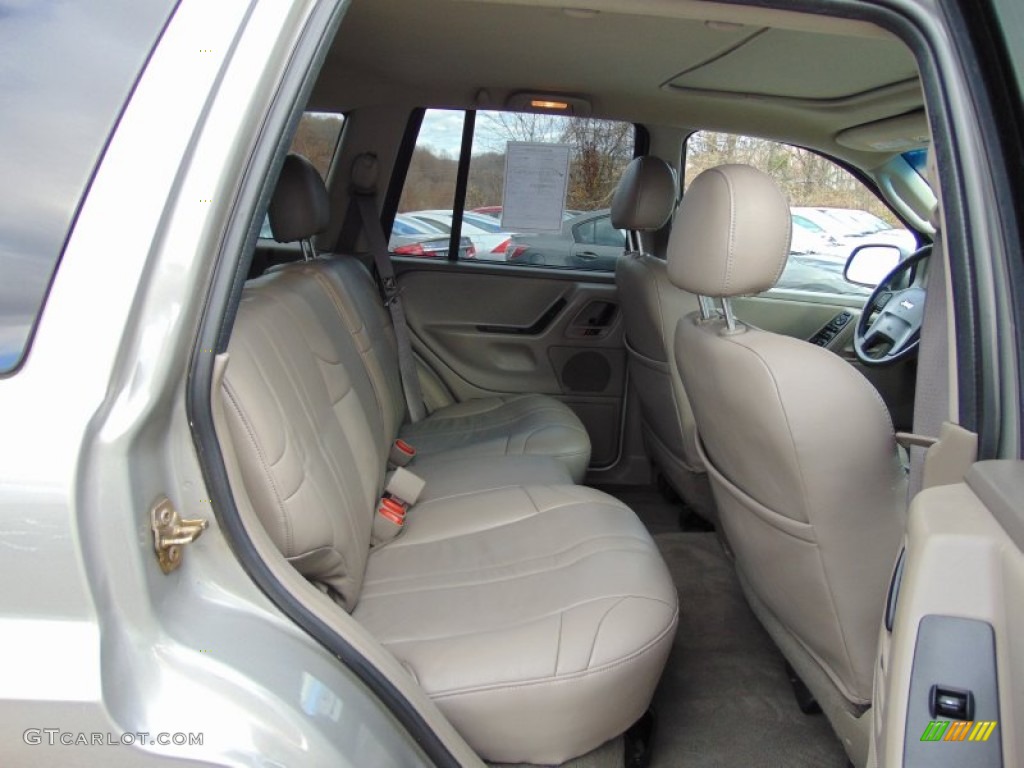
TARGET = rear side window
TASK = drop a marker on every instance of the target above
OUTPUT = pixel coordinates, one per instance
(66, 71)
(569, 166)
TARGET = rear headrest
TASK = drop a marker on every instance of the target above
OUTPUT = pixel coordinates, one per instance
(731, 234)
(300, 207)
(645, 196)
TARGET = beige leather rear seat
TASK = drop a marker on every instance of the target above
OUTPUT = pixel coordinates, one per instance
(538, 614)
(530, 425)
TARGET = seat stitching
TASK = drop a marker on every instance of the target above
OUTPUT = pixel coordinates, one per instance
(544, 404)
(531, 620)
(299, 384)
(562, 679)
(455, 429)
(285, 521)
(484, 569)
(558, 641)
(597, 630)
(373, 372)
(526, 492)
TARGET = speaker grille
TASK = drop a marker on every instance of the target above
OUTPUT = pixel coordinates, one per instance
(586, 372)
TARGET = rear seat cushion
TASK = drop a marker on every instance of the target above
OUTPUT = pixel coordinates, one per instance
(538, 618)
(508, 425)
(446, 477)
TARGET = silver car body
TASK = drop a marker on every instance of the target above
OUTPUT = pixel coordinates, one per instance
(95, 431)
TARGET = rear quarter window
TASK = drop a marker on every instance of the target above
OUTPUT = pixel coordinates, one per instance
(66, 72)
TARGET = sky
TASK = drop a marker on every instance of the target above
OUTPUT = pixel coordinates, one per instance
(442, 132)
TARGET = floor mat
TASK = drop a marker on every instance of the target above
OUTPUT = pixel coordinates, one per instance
(724, 699)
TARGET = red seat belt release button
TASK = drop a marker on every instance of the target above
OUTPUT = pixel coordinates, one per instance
(391, 510)
(401, 453)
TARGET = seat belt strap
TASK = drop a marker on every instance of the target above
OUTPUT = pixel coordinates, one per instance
(392, 300)
(931, 390)
(940, 452)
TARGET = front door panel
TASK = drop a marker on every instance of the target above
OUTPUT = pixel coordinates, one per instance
(955, 630)
(805, 315)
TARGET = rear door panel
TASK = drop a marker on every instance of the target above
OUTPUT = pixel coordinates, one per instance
(487, 329)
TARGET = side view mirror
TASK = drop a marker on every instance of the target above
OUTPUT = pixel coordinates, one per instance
(868, 264)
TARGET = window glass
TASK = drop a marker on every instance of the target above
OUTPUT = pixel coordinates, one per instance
(584, 233)
(65, 73)
(918, 159)
(582, 236)
(424, 219)
(833, 212)
(606, 234)
(316, 139)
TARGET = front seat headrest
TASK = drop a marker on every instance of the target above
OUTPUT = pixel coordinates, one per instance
(645, 195)
(300, 207)
(731, 235)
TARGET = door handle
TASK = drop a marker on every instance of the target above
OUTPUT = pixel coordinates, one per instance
(540, 325)
(587, 255)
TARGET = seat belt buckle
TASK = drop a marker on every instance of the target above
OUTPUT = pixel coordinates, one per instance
(404, 486)
(389, 520)
(401, 453)
(392, 509)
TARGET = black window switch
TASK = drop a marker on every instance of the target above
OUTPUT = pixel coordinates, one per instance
(952, 703)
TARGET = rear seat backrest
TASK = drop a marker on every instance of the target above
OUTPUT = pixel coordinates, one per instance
(309, 444)
(369, 322)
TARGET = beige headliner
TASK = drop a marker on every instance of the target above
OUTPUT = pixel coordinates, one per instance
(798, 77)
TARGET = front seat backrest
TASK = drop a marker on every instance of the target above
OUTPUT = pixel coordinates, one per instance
(799, 446)
(651, 307)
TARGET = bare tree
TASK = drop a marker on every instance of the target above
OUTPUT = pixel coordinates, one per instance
(502, 127)
(807, 178)
(599, 149)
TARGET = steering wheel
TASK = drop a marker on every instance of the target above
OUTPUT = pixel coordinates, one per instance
(894, 333)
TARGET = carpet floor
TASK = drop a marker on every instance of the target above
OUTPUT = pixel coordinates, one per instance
(724, 699)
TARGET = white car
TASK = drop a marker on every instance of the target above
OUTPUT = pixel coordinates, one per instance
(850, 227)
(489, 239)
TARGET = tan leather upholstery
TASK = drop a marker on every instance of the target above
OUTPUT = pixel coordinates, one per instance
(731, 235)
(537, 617)
(799, 446)
(651, 307)
(512, 425)
(309, 451)
(493, 426)
(538, 614)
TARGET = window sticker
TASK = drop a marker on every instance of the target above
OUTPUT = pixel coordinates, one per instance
(536, 178)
